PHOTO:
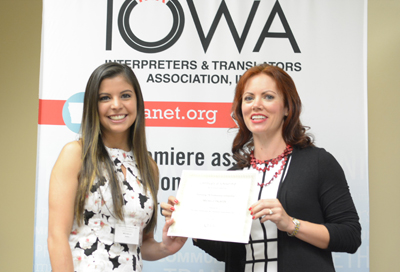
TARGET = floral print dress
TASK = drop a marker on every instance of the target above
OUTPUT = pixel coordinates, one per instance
(92, 244)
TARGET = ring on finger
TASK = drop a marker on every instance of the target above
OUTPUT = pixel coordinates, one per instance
(270, 212)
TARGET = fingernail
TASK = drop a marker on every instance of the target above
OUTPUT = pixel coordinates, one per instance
(176, 201)
(250, 208)
(251, 213)
(172, 209)
(254, 217)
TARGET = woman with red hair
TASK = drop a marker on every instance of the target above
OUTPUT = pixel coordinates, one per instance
(304, 210)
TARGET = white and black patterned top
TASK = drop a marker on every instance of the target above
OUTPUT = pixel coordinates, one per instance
(92, 244)
(262, 249)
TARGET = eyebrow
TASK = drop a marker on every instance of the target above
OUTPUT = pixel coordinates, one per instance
(264, 92)
(124, 91)
(130, 91)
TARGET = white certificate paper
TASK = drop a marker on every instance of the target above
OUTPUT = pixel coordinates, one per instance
(214, 205)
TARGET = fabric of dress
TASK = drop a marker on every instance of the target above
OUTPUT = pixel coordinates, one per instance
(92, 244)
(315, 190)
(262, 249)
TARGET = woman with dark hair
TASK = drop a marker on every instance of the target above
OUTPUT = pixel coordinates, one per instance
(304, 210)
(103, 187)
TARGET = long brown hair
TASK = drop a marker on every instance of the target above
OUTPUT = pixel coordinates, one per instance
(95, 154)
(293, 132)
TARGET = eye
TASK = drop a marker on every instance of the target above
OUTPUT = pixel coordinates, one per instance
(103, 98)
(126, 95)
(247, 98)
(269, 97)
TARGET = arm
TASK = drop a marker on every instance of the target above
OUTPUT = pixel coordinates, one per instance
(153, 250)
(214, 248)
(333, 222)
(341, 218)
(314, 234)
(62, 192)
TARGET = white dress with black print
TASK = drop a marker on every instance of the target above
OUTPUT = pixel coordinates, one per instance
(92, 244)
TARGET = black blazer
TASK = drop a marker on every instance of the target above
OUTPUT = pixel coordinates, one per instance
(315, 190)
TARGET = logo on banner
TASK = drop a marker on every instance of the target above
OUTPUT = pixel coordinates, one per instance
(72, 112)
(150, 47)
(178, 23)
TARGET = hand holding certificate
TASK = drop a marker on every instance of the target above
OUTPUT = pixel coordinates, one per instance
(214, 205)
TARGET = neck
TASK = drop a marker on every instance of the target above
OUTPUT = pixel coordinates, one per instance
(266, 149)
(119, 141)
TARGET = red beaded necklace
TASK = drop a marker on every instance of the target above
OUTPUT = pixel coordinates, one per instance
(268, 164)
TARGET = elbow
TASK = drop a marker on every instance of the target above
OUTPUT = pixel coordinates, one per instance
(55, 240)
(51, 245)
(345, 238)
(51, 242)
(356, 238)
(352, 247)
(356, 243)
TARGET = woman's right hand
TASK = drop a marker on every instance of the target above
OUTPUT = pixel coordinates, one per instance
(168, 208)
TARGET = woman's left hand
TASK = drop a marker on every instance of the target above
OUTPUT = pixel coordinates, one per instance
(271, 209)
(172, 243)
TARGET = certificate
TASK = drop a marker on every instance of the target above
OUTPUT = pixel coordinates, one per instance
(214, 205)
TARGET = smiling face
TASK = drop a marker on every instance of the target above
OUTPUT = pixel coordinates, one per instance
(117, 106)
(263, 107)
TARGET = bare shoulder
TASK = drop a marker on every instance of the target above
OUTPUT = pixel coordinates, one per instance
(70, 158)
(72, 149)
(63, 188)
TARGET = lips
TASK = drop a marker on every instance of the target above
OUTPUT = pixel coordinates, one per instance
(258, 117)
(117, 117)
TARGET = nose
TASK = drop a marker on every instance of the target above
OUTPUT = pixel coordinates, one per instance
(257, 104)
(116, 104)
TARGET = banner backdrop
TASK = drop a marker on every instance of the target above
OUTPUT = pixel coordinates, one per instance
(188, 56)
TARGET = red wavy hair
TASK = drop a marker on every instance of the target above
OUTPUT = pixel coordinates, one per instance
(293, 132)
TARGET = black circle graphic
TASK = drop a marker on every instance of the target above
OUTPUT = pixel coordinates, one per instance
(151, 47)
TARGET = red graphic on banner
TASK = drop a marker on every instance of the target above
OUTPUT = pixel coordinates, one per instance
(188, 114)
(50, 112)
(158, 114)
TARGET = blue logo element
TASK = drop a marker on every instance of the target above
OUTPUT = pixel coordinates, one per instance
(72, 112)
